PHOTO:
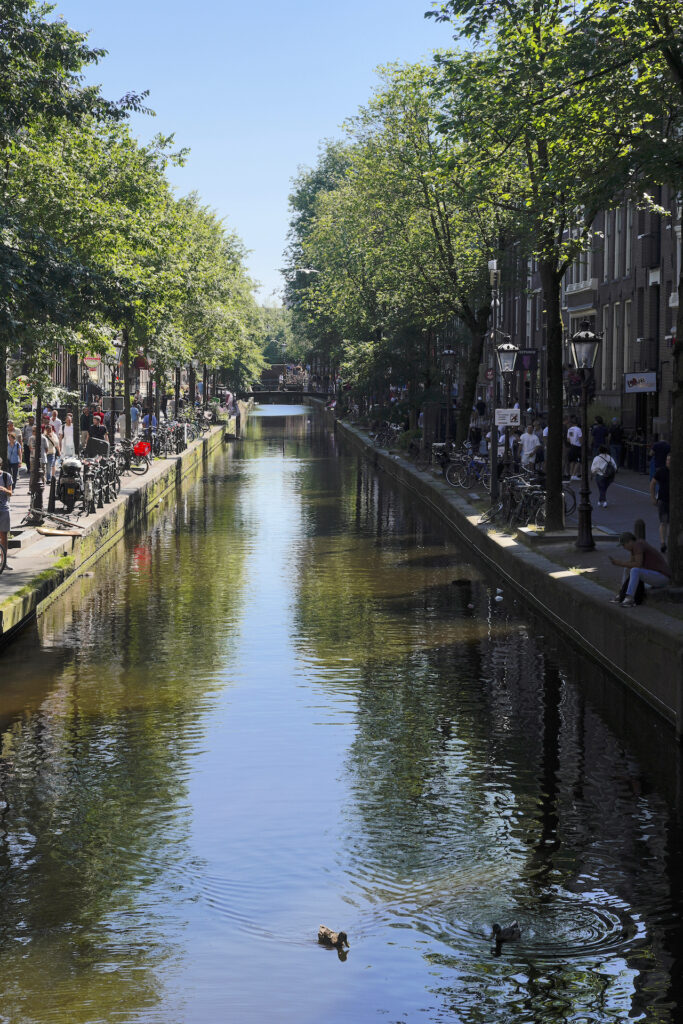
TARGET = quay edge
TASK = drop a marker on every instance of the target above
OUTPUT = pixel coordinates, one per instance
(68, 556)
(646, 654)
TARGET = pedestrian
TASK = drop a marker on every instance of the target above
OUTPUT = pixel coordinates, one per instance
(599, 434)
(26, 432)
(86, 423)
(658, 452)
(52, 451)
(528, 444)
(659, 494)
(604, 469)
(134, 418)
(574, 438)
(616, 439)
(645, 563)
(67, 438)
(13, 452)
(56, 423)
(6, 488)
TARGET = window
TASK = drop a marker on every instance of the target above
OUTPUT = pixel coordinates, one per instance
(605, 249)
(616, 317)
(628, 340)
(629, 238)
(605, 347)
(617, 244)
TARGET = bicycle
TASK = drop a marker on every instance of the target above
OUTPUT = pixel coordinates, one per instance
(469, 473)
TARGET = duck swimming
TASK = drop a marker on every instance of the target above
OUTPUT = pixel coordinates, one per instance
(508, 934)
(333, 940)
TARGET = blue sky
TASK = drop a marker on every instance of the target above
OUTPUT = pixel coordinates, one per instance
(250, 90)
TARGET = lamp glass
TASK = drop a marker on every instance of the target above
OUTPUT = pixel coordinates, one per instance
(507, 356)
(448, 359)
(584, 346)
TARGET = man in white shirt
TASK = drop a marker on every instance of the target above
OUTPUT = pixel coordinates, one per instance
(528, 443)
(56, 423)
(574, 437)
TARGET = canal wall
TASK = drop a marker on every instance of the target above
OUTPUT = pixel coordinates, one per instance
(642, 647)
(51, 564)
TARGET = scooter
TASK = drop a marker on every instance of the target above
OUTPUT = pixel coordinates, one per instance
(70, 482)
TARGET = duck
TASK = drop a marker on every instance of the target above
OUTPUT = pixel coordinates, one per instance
(507, 934)
(333, 940)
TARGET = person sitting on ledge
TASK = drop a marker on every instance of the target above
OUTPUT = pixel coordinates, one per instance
(645, 563)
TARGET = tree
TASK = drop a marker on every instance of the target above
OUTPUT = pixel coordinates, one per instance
(527, 98)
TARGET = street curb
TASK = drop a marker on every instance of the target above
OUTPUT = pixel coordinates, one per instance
(647, 659)
(70, 555)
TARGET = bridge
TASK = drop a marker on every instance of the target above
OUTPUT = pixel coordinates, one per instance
(290, 396)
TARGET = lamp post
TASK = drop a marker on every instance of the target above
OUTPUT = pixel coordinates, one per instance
(448, 363)
(584, 346)
(112, 364)
(176, 396)
(194, 363)
(506, 354)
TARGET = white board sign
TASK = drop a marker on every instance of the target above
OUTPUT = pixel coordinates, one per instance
(507, 418)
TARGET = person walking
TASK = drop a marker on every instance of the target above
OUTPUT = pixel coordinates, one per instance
(86, 421)
(574, 438)
(52, 451)
(616, 440)
(26, 434)
(528, 443)
(599, 434)
(13, 452)
(645, 563)
(659, 495)
(67, 438)
(604, 469)
(6, 488)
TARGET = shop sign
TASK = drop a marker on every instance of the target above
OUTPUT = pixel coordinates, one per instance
(92, 365)
(639, 383)
(527, 360)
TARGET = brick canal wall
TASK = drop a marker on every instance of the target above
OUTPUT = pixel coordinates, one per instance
(643, 647)
(63, 557)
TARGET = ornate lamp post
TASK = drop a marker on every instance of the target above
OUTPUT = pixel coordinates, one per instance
(448, 364)
(584, 346)
(506, 354)
(111, 361)
(176, 390)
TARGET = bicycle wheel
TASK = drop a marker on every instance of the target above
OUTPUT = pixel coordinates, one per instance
(485, 477)
(453, 473)
(139, 464)
(464, 476)
(539, 518)
(569, 498)
(490, 514)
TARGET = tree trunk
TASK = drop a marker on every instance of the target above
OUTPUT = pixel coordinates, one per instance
(478, 334)
(126, 381)
(551, 297)
(35, 488)
(3, 398)
(73, 386)
(676, 478)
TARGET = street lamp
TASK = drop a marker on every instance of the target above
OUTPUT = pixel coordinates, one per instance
(584, 348)
(111, 361)
(506, 354)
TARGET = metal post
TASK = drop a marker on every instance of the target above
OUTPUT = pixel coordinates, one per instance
(584, 540)
(112, 411)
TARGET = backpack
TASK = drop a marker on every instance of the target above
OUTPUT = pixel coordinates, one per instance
(609, 472)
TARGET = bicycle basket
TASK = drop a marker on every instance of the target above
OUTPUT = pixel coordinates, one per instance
(142, 448)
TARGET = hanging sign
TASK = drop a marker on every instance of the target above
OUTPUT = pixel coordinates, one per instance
(507, 417)
(92, 365)
(527, 360)
(639, 383)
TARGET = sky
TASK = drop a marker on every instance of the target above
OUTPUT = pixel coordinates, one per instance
(250, 90)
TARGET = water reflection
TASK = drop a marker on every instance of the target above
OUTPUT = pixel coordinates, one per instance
(292, 701)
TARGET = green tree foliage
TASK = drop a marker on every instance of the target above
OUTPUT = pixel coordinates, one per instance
(527, 97)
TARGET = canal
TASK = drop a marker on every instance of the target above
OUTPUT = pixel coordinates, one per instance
(289, 700)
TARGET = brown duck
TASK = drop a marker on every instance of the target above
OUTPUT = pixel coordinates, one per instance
(333, 940)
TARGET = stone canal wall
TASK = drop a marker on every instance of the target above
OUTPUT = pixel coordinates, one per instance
(44, 569)
(642, 647)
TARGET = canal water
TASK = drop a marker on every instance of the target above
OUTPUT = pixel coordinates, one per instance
(291, 700)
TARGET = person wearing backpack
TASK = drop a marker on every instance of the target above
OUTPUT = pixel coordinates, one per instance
(604, 469)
